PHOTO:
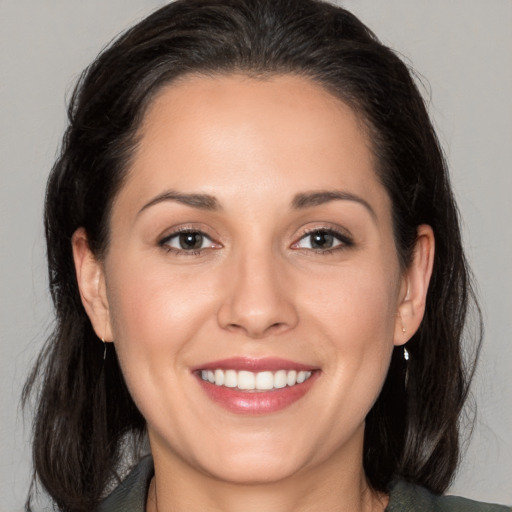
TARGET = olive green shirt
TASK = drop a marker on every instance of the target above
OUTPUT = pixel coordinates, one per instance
(131, 494)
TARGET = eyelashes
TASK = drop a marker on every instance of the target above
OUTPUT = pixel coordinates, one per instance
(323, 240)
(188, 241)
(194, 242)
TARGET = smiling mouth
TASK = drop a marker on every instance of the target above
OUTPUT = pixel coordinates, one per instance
(256, 386)
(254, 381)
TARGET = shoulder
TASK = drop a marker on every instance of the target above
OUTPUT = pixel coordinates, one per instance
(405, 497)
(130, 495)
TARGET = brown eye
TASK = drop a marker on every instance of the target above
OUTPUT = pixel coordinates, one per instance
(323, 240)
(187, 241)
(190, 241)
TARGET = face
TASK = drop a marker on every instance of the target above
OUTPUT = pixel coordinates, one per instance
(252, 286)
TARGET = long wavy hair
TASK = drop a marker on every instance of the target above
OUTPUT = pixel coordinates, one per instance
(84, 412)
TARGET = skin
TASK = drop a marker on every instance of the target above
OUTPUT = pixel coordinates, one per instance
(256, 289)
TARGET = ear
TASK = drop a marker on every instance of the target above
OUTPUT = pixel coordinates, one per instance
(91, 283)
(413, 293)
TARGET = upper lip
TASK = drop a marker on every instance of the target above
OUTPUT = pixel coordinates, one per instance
(255, 364)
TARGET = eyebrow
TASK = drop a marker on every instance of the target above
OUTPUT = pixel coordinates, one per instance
(317, 198)
(300, 201)
(201, 201)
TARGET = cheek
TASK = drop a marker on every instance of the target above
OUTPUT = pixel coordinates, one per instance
(155, 314)
(357, 306)
(146, 299)
(157, 317)
(356, 314)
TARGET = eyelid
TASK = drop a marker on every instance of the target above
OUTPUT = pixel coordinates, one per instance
(187, 227)
(176, 234)
(163, 241)
(342, 235)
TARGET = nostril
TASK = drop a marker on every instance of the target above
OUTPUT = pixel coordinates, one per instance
(256, 319)
(256, 331)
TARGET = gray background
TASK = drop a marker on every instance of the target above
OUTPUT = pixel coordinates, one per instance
(462, 47)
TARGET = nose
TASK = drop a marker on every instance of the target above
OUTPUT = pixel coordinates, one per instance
(259, 298)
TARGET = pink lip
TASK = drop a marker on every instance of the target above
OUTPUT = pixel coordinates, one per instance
(250, 364)
(255, 402)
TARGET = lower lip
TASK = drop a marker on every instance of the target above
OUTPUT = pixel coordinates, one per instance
(257, 402)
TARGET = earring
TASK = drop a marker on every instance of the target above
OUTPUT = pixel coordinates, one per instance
(401, 321)
(406, 354)
(103, 340)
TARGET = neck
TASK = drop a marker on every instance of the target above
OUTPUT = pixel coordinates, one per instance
(331, 487)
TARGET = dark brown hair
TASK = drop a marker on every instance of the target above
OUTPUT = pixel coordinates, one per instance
(85, 413)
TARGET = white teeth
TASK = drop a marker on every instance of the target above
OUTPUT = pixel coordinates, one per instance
(261, 381)
(291, 378)
(230, 379)
(219, 377)
(246, 380)
(280, 379)
(264, 381)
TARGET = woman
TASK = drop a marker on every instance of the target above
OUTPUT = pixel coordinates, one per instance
(249, 221)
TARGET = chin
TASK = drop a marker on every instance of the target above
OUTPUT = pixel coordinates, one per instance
(244, 469)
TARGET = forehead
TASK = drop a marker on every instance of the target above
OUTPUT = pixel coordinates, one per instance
(284, 107)
(236, 134)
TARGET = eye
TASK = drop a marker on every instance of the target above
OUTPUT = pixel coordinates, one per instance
(187, 241)
(323, 240)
